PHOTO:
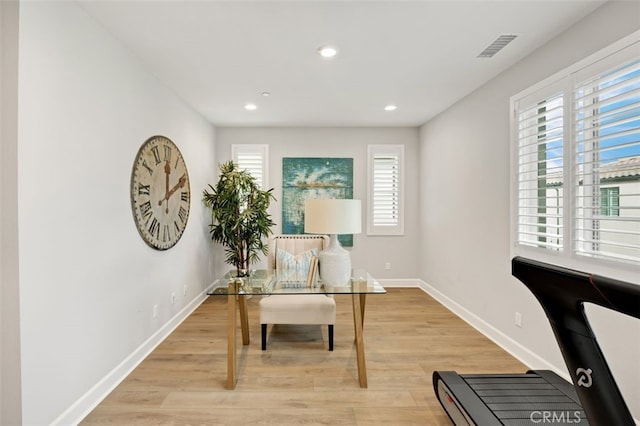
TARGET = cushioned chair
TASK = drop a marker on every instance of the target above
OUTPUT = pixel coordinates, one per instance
(293, 252)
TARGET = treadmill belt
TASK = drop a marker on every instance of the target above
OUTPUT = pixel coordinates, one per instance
(537, 397)
(528, 397)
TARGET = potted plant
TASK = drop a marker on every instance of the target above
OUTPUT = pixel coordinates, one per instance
(239, 217)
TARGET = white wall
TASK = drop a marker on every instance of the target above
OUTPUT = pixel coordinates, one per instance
(87, 280)
(10, 395)
(464, 205)
(370, 252)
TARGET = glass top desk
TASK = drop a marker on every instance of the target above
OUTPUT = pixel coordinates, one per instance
(267, 282)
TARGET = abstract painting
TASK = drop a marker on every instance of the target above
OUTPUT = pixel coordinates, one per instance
(309, 178)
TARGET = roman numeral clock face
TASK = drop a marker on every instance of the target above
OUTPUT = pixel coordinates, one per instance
(160, 193)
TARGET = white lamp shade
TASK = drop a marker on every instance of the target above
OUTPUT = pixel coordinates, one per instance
(332, 216)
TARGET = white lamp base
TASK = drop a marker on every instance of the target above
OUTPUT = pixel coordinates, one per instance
(335, 263)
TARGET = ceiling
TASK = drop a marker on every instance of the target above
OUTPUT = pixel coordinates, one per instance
(421, 56)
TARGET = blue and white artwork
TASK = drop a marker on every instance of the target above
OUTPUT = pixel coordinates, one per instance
(310, 178)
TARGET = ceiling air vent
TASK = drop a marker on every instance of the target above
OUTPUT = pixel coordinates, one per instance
(497, 45)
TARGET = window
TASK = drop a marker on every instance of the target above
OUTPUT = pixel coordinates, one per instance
(385, 190)
(610, 201)
(254, 159)
(540, 173)
(576, 162)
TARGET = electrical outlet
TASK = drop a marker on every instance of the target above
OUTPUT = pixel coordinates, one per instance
(155, 311)
(387, 266)
(173, 298)
(518, 319)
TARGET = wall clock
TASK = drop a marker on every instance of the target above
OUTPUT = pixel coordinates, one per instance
(160, 193)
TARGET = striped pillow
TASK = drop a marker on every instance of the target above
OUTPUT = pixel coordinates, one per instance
(293, 268)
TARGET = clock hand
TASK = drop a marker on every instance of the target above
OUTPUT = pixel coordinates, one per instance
(167, 171)
(179, 185)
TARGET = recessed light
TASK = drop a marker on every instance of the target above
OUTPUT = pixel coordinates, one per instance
(250, 107)
(390, 108)
(266, 94)
(327, 51)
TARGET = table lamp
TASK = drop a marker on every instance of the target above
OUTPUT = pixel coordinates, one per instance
(333, 217)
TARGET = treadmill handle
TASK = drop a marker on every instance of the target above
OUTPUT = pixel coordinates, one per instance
(562, 293)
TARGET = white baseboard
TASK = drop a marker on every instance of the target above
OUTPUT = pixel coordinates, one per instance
(404, 282)
(86, 403)
(514, 348)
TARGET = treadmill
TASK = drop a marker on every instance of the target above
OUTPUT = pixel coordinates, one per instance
(541, 396)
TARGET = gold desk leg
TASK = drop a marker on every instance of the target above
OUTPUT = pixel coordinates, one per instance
(244, 320)
(232, 377)
(363, 302)
(358, 311)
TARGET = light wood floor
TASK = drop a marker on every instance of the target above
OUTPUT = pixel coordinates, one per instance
(297, 380)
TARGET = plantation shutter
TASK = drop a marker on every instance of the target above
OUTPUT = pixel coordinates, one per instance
(252, 158)
(607, 147)
(385, 189)
(540, 173)
(576, 162)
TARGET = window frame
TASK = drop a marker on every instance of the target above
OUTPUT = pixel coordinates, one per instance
(391, 151)
(567, 78)
(261, 150)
